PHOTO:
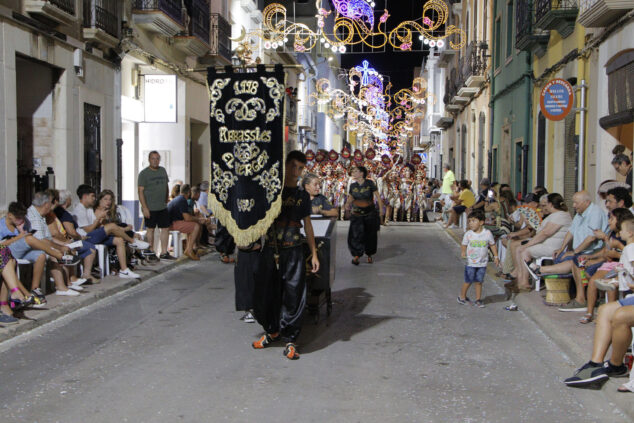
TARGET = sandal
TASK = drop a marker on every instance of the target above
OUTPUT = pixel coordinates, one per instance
(265, 340)
(370, 260)
(587, 318)
(355, 260)
(290, 351)
(226, 259)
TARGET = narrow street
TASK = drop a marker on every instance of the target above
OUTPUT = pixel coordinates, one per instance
(398, 347)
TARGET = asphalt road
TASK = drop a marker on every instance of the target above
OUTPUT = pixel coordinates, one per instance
(397, 347)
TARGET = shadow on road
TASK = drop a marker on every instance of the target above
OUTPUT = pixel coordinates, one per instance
(386, 252)
(345, 321)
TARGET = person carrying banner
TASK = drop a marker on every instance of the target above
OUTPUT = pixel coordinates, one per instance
(280, 294)
(364, 222)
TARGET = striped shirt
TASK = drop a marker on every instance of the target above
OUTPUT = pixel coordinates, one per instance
(38, 223)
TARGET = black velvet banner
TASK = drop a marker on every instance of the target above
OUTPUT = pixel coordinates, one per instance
(247, 149)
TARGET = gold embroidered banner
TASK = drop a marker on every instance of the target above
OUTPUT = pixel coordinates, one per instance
(247, 149)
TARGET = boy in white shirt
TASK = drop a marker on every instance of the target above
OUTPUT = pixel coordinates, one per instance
(475, 248)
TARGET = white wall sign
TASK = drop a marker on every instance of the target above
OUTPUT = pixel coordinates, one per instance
(160, 98)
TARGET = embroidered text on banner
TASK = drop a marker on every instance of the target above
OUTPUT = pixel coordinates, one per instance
(247, 149)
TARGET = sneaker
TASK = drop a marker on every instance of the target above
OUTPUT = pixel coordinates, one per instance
(70, 260)
(588, 374)
(139, 244)
(37, 293)
(167, 256)
(76, 287)
(465, 301)
(38, 302)
(614, 371)
(290, 351)
(79, 282)
(479, 303)
(533, 271)
(128, 274)
(5, 319)
(265, 340)
(573, 305)
(248, 317)
(68, 292)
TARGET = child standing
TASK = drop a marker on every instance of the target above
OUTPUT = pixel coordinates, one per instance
(475, 248)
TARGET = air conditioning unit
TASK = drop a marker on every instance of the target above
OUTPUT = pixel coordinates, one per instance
(247, 5)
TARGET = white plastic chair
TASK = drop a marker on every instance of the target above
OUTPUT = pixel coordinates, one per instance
(176, 243)
(463, 221)
(104, 260)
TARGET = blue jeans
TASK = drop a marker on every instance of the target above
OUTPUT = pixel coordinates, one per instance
(474, 274)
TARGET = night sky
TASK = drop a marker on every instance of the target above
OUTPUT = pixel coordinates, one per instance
(397, 64)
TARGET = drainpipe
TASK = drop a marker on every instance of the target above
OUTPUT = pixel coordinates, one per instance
(582, 135)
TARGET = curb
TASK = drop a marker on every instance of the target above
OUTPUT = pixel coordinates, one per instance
(45, 316)
(556, 333)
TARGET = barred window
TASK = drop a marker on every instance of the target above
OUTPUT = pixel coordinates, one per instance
(620, 73)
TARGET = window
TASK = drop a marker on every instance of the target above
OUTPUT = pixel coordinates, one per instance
(509, 28)
(498, 44)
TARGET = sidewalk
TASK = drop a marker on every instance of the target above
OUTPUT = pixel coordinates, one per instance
(58, 306)
(563, 329)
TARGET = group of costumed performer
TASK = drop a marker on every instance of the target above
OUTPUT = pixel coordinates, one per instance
(400, 185)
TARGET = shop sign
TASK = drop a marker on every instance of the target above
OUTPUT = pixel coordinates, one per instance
(160, 98)
(556, 99)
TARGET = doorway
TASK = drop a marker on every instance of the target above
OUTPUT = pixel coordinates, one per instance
(505, 156)
(35, 83)
(571, 159)
(463, 152)
(92, 146)
(481, 142)
(519, 160)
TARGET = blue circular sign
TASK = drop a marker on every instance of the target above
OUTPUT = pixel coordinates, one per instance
(556, 99)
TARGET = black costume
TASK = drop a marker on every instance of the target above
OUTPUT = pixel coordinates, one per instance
(224, 242)
(280, 293)
(321, 202)
(364, 221)
(244, 274)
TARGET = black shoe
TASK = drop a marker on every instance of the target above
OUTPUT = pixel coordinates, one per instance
(167, 256)
(614, 371)
(590, 374)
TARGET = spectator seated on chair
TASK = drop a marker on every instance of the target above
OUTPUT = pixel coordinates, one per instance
(185, 222)
(15, 232)
(93, 226)
(614, 323)
(205, 221)
(9, 282)
(610, 254)
(87, 252)
(41, 206)
(548, 238)
(464, 200)
(583, 240)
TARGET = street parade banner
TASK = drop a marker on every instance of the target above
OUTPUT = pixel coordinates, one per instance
(247, 149)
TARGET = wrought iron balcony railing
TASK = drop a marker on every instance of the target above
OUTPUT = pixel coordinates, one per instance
(543, 7)
(171, 8)
(67, 6)
(475, 60)
(102, 14)
(528, 37)
(200, 20)
(220, 34)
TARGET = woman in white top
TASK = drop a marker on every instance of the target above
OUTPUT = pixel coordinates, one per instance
(548, 238)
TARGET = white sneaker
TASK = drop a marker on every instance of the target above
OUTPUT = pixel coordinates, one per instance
(129, 274)
(140, 245)
(79, 282)
(68, 292)
(76, 287)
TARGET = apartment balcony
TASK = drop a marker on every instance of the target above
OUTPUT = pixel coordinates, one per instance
(197, 40)
(55, 12)
(445, 56)
(444, 122)
(102, 22)
(307, 118)
(162, 16)
(474, 66)
(600, 13)
(527, 36)
(558, 15)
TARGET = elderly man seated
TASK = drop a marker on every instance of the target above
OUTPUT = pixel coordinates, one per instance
(581, 237)
(92, 226)
(184, 221)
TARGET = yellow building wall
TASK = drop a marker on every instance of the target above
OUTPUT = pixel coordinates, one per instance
(557, 49)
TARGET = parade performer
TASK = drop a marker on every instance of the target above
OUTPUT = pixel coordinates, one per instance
(364, 221)
(420, 196)
(319, 203)
(280, 294)
(341, 184)
(406, 195)
(394, 201)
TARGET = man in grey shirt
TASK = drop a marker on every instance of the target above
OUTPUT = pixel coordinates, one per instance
(153, 195)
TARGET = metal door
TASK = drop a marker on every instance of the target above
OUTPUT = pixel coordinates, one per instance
(92, 146)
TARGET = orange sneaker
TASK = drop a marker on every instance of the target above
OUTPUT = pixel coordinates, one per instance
(290, 351)
(265, 340)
